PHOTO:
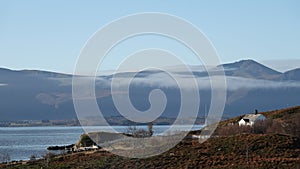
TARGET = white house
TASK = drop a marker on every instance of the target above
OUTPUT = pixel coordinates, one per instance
(250, 119)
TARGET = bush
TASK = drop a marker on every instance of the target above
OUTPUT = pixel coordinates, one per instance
(32, 158)
(293, 126)
(48, 155)
(261, 126)
(139, 133)
(86, 141)
(275, 128)
(268, 126)
(232, 129)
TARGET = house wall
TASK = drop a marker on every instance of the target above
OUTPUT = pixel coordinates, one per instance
(242, 122)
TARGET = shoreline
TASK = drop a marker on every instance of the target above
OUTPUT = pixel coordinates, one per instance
(212, 153)
(40, 131)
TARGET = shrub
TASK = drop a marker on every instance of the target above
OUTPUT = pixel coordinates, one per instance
(139, 133)
(32, 158)
(233, 129)
(86, 141)
(293, 127)
(48, 155)
(275, 128)
(260, 127)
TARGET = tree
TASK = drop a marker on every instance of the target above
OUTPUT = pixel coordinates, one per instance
(150, 128)
(140, 133)
(86, 141)
(32, 157)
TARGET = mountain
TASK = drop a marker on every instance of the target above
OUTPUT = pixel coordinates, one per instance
(250, 69)
(21, 95)
(42, 95)
(291, 75)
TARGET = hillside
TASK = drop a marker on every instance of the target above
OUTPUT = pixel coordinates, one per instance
(264, 151)
(245, 150)
(283, 115)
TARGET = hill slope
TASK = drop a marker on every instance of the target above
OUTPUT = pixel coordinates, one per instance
(235, 151)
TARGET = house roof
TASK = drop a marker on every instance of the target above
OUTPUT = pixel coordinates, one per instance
(252, 117)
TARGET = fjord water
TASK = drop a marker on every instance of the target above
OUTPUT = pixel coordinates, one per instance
(22, 142)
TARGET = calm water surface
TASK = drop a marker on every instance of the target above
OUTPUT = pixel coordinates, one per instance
(22, 142)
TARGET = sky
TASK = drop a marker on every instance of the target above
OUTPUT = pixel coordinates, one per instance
(49, 35)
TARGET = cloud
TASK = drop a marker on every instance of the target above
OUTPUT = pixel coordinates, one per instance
(235, 83)
(185, 81)
(163, 80)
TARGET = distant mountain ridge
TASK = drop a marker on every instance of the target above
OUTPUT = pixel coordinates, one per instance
(253, 69)
(243, 68)
(292, 75)
(40, 95)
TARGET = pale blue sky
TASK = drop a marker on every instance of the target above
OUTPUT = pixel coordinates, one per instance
(48, 35)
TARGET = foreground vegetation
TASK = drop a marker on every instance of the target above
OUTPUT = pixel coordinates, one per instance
(273, 143)
(285, 121)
